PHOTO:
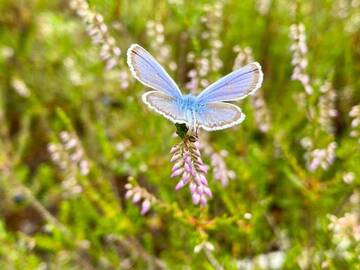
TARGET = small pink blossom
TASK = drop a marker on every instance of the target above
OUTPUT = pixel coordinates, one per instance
(192, 170)
(140, 195)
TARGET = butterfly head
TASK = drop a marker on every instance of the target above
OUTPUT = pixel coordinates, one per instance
(185, 133)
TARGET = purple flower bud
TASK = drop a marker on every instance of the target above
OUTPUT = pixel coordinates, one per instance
(180, 185)
(196, 198)
(110, 63)
(145, 207)
(128, 194)
(187, 167)
(136, 197)
(187, 158)
(198, 178)
(199, 160)
(185, 178)
(203, 179)
(192, 187)
(203, 168)
(231, 174)
(203, 200)
(174, 149)
(208, 192)
(128, 186)
(177, 165)
(177, 172)
(175, 157)
(197, 152)
(193, 171)
(200, 190)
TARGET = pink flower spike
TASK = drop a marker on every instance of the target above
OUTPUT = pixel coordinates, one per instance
(145, 207)
(191, 168)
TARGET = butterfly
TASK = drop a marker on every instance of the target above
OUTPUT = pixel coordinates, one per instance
(208, 110)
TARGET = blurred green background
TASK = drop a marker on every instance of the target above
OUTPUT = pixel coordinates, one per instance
(74, 132)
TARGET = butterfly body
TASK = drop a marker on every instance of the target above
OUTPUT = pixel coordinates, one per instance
(207, 110)
(191, 107)
(190, 103)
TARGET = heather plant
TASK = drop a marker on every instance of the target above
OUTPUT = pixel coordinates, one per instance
(92, 179)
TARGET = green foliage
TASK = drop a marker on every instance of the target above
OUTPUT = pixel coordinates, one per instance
(71, 139)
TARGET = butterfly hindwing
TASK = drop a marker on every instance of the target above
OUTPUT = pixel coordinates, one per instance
(219, 115)
(234, 86)
(164, 105)
(149, 72)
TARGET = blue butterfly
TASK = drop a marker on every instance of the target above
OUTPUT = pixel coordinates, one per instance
(207, 110)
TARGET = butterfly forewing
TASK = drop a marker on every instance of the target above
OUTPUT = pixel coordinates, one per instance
(149, 72)
(219, 115)
(235, 86)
